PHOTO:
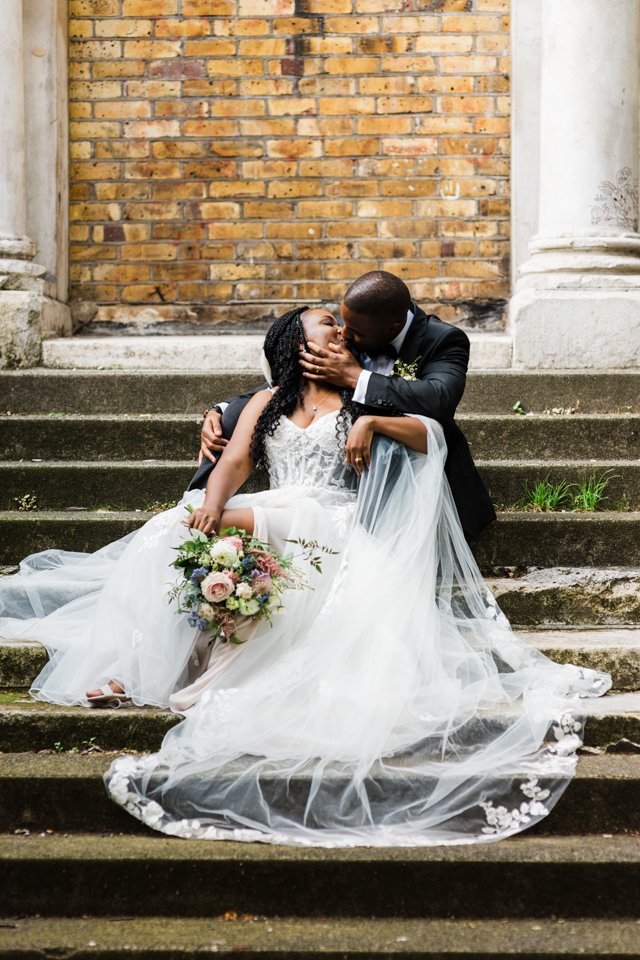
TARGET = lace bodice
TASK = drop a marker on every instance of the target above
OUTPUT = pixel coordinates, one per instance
(311, 457)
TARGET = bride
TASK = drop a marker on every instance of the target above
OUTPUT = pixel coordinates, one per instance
(391, 704)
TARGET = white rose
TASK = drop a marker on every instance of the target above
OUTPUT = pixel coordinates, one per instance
(206, 611)
(244, 591)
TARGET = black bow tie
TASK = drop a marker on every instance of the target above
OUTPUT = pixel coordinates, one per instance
(388, 351)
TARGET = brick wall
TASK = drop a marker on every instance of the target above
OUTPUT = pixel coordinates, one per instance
(231, 155)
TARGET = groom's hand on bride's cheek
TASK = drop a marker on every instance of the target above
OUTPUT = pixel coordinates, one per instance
(335, 365)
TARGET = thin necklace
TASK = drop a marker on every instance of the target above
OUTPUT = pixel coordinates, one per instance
(314, 407)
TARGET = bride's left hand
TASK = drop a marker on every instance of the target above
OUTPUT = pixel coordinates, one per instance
(358, 449)
(204, 519)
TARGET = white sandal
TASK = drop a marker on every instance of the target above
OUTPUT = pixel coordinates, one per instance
(108, 697)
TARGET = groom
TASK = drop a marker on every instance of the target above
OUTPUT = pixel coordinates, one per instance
(383, 328)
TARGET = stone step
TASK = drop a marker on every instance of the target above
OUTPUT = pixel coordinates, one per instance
(135, 484)
(172, 436)
(572, 596)
(65, 792)
(517, 540)
(616, 651)
(209, 351)
(251, 936)
(27, 725)
(85, 874)
(121, 391)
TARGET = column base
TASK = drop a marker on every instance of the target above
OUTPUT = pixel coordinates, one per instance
(575, 329)
(26, 318)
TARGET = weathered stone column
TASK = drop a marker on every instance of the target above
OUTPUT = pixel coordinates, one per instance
(28, 304)
(577, 299)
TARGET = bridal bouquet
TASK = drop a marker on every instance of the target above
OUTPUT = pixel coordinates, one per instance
(233, 576)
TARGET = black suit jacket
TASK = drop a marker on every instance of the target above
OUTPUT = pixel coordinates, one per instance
(442, 352)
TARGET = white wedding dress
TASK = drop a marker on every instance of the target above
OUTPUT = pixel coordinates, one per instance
(389, 705)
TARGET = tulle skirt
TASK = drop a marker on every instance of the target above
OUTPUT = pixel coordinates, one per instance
(390, 704)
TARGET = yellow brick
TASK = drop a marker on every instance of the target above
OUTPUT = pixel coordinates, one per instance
(387, 248)
(205, 88)
(149, 8)
(241, 28)
(446, 84)
(237, 271)
(293, 26)
(149, 293)
(467, 228)
(327, 46)
(410, 147)
(297, 230)
(80, 191)
(178, 191)
(492, 43)
(236, 148)
(266, 8)
(470, 268)
(118, 68)
(149, 251)
(378, 6)
(474, 146)
(238, 108)
(94, 171)
(93, 8)
(337, 106)
(290, 149)
(80, 28)
(389, 105)
(492, 125)
(352, 25)
(269, 87)
(262, 48)
(401, 125)
(443, 43)
(151, 129)
(349, 271)
(79, 71)
(152, 89)
(387, 85)
(150, 49)
(396, 44)
(326, 7)
(352, 188)
(133, 27)
(225, 231)
(446, 208)
(211, 47)
(356, 147)
(321, 250)
(187, 270)
(326, 168)
(182, 108)
(261, 209)
(267, 169)
(183, 28)
(210, 128)
(121, 191)
(80, 111)
(466, 105)
(127, 149)
(210, 169)
(102, 90)
(408, 65)
(122, 109)
(439, 125)
(323, 127)
(234, 68)
(346, 65)
(208, 8)
(492, 84)
(292, 106)
(152, 169)
(236, 188)
(467, 24)
(467, 64)
(384, 208)
(78, 233)
(121, 231)
(411, 269)
(268, 126)
(414, 25)
(323, 209)
(279, 189)
(95, 50)
(81, 150)
(152, 211)
(327, 86)
(410, 188)
(93, 131)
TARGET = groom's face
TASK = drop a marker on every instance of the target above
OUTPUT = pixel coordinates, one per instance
(367, 333)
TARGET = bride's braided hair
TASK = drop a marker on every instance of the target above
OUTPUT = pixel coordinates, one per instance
(281, 347)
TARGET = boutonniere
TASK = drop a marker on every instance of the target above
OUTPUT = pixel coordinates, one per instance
(408, 371)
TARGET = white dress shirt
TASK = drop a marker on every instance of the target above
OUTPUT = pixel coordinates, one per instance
(381, 364)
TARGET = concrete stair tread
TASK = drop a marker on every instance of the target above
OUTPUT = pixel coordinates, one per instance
(622, 638)
(154, 847)
(195, 938)
(65, 766)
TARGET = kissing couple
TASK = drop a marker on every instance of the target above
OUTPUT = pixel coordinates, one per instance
(391, 704)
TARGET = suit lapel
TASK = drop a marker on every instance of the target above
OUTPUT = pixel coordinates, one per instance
(416, 335)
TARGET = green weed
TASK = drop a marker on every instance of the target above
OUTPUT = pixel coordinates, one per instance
(545, 496)
(590, 492)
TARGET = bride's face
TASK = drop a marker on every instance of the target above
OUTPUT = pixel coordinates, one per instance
(321, 327)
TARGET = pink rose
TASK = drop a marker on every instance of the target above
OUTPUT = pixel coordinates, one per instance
(216, 587)
(235, 542)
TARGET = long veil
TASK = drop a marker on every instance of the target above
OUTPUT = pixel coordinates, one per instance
(404, 711)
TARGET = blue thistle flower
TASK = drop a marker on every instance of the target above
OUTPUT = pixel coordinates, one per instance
(198, 575)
